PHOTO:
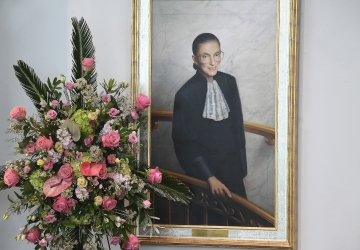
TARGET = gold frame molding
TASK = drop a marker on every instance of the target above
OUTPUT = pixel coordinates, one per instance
(141, 79)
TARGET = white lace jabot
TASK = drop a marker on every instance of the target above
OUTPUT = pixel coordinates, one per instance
(216, 107)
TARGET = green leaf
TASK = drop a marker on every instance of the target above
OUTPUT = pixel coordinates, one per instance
(73, 128)
(82, 48)
(171, 188)
(30, 82)
(28, 188)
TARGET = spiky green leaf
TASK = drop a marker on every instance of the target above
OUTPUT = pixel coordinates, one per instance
(33, 86)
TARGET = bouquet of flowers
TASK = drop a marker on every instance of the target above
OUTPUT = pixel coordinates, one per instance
(79, 175)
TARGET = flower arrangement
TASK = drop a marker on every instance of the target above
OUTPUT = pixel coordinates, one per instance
(79, 175)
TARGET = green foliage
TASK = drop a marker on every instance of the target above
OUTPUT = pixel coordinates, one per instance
(82, 48)
(171, 188)
(34, 88)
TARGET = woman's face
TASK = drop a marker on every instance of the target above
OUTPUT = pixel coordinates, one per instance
(210, 68)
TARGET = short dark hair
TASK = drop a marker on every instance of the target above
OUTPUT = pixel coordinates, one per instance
(203, 38)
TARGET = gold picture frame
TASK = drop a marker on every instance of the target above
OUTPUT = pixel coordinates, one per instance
(284, 233)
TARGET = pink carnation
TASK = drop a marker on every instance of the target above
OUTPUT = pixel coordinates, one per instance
(111, 140)
(11, 177)
(106, 98)
(88, 140)
(43, 242)
(54, 103)
(48, 164)
(50, 218)
(134, 114)
(65, 105)
(27, 169)
(132, 138)
(142, 102)
(72, 202)
(51, 114)
(18, 113)
(30, 148)
(113, 112)
(146, 204)
(115, 240)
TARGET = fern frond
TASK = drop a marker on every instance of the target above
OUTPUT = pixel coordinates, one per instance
(33, 86)
(82, 48)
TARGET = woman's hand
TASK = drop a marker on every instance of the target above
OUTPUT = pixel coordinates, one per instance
(218, 188)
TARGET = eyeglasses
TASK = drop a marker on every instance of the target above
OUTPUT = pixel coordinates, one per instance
(205, 58)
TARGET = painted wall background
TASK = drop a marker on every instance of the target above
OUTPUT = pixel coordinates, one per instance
(247, 33)
(328, 168)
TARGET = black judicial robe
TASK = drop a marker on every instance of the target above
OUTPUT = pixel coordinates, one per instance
(205, 147)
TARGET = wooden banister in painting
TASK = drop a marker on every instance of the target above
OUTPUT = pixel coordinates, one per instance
(207, 209)
(266, 131)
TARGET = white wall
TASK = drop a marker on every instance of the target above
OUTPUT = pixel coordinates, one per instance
(329, 119)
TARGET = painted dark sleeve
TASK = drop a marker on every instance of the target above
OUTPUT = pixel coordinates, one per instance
(184, 134)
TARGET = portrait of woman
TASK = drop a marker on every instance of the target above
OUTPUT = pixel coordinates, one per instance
(208, 126)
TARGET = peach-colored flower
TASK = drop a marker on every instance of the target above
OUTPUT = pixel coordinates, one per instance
(18, 113)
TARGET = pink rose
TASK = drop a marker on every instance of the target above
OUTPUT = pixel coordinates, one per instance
(48, 164)
(55, 103)
(155, 176)
(88, 140)
(33, 235)
(88, 64)
(65, 172)
(65, 105)
(61, 205)
(132, 138)
(50, 218)
(44, 143)
(30, 148)
(134, 114)
(72, 202)
(115, 240)
(11, 177)
(49, 237)
(132, 244)
(69, 85)
(111, 140)
(43, 243)
(142, 102)
(146, 204)
(106, 98)
(108, 203)
(51, 114)
(27, 169)
(111, 158)
(18, 113)
(113, 112)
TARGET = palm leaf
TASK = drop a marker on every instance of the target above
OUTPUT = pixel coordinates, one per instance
(30, 82)
(82, 48)
(171, 188)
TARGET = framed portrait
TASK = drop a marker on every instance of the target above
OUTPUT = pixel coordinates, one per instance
(258, 47)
